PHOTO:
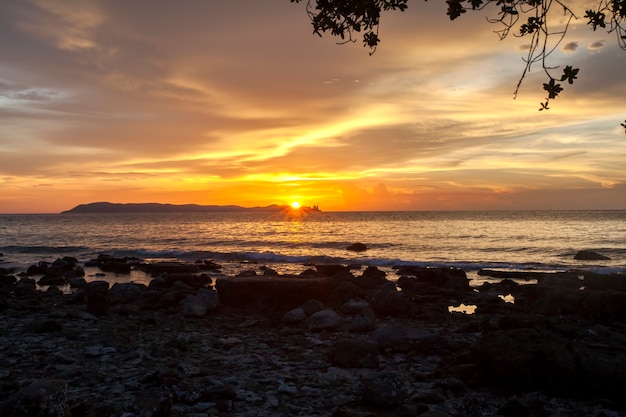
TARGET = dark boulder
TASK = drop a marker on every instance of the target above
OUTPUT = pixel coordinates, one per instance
(45, 398)
(125, 293)
(331, 270)
(440, 281)
(388, 301)
(357, 247)
(371, 278)
(589, 255)
(344, 291)
(579, 363)
(158, 268)
(385, 389)
(273, 293)
(206, 300)
(97, 298)
(365, 321)
(312, 306)
(323, 320)
(358, 352)
(594, 281)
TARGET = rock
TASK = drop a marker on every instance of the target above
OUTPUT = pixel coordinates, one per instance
(198, 305)
(77, 282)
(193, 281)
(394, 336)
(573, 365)
(615, 281)
(371, 278)
(354, 305)
(182, 287)
(158, 268)
(357, 352)
(331, 270)
(435, 413)
(391, 302)
(52, 280)
(323, 320)
(296, 315)
(589, 255)
(363, 322)
(153, 403)
(150, 299)
(44, 398)
(385, 389)
(124, 293)
(97, 298)
(345, 291)
(607, 306)
(515, 407)
(209, 297)
(312, 307)
(271, 293)
(445, 278)
(357, 247)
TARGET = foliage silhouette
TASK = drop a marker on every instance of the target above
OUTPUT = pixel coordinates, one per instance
(530, 18)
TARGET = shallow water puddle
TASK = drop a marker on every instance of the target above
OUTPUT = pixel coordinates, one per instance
(465, 309)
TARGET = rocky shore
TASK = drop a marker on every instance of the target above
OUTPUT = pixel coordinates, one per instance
(334, 340)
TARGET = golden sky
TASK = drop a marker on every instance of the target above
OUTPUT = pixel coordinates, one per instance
(216, 102)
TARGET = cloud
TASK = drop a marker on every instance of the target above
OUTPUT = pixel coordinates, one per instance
(20, 92)
(596, 45)
(570, 47)
(230, 98)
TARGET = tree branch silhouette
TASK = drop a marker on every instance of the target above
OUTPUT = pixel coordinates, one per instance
(522, 18)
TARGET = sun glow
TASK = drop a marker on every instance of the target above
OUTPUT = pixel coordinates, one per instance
(295, 205)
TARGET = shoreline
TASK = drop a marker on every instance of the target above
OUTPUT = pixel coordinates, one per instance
(332, 341)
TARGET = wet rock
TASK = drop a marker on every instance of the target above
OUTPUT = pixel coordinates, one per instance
(615, 281)
(296, 315)
(385, 389)
(158, 268)
(331, 270)
(149, 299)
(44, 398)
(323, 320)
(589, 255)
(607, 306)
(124, 293)
(198, 305)
(371, 278)
(312, 307)
(344, 291)
(357, 247)
(153, 403)
(358, 352)
(363, 322)
(390, 302)
(52, 280)
(535, 359)
(445, 278)
(77, 282)
(435, 413)
(398, 337)
(271, 293)
(354, 305)
(97, 298)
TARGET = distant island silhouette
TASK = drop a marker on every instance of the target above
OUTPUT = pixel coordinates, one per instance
(106, 207)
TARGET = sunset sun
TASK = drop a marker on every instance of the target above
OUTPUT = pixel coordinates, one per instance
(295, 205)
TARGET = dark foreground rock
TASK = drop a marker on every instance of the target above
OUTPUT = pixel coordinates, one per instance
(335, 345)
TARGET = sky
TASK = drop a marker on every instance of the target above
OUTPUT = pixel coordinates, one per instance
(238, 102)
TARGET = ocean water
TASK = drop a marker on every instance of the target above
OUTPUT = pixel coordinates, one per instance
(291, 242)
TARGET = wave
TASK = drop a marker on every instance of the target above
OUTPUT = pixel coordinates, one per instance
(43, 249)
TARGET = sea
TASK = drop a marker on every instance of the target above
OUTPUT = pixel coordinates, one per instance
(291, 241)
